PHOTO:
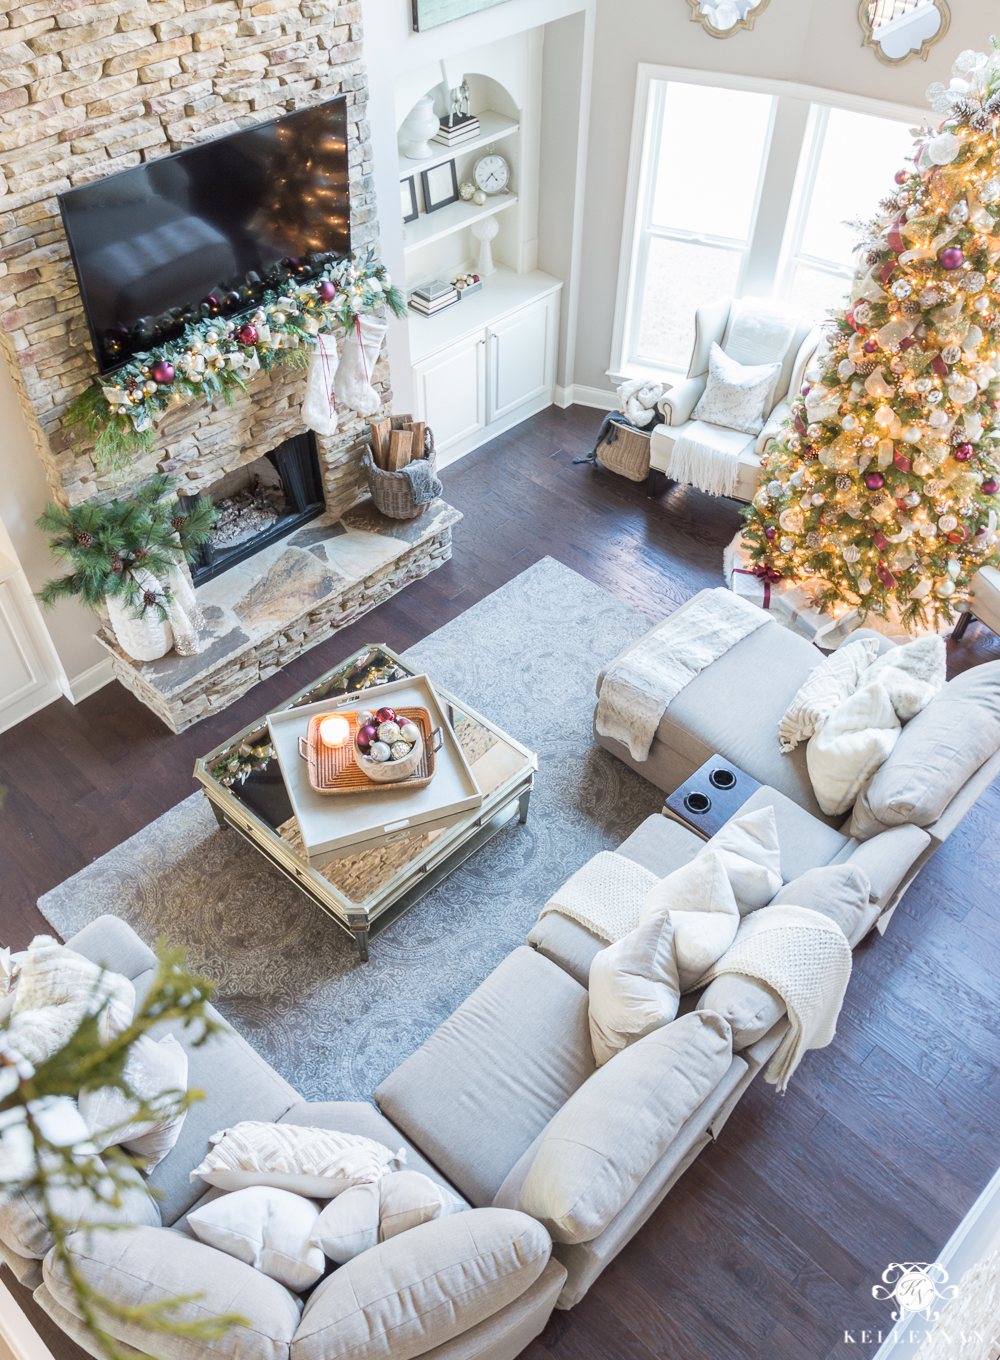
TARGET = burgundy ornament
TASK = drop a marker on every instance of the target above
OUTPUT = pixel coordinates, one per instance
(885, 576)
(981, 531)
(326, 290)
(871, 346)
(770, 533)
(958, 535)
(874, 480)
(951, 258)
(901, 176)
(963, 452)
(366, 735)
(162, 372)
(246, 334)
(991, 486)
(211, 303)
(386, 715)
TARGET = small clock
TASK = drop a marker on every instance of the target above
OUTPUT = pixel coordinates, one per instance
(492, 174)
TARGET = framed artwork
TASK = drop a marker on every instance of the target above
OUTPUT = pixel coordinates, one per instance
(408, 197)
(440, 186)
(430, 13)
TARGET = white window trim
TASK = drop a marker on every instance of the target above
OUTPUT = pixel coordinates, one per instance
(636, 185)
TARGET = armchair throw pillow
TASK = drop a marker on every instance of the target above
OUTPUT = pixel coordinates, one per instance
(56, 988)
(316, 1162)
(157, 1073)
(735, 393)
(705, 917)
(266, 1228)
(840, 891)
(850, 747)
(824, 689)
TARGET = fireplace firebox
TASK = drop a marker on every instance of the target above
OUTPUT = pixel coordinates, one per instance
(260, 502)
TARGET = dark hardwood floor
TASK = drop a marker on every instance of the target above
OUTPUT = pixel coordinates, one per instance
(770, 1244)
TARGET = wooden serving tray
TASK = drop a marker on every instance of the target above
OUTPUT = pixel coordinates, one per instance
(332, 769)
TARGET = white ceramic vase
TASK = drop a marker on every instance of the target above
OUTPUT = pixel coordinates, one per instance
(420, 125)
(146, 638)
(484, 232)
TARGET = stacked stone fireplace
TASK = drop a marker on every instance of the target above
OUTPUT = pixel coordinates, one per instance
(91, 87)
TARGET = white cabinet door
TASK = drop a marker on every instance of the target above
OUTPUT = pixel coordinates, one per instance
(450, 391)
(522, 352)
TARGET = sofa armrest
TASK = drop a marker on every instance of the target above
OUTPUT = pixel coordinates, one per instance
(772, 426)
(676, 405)
(113, 944)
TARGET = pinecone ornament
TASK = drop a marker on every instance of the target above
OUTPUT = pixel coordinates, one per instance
(865, 366)
(84, 539)
(116, 561)
(179, 521)
(843, 482)
(149, 598)
(140, 555)
(911, 307)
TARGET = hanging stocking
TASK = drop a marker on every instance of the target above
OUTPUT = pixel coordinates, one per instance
(352, 386)
(319, 410)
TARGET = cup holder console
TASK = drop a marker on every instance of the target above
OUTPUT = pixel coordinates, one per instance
(722, 779)
(698, 802)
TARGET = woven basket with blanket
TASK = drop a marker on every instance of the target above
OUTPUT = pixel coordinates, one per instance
(402, 479)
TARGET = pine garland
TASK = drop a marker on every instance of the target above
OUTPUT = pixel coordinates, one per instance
(111, 546)
(215, 358)
(881, 488)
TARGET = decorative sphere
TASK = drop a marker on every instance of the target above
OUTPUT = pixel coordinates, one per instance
(246, 334)
(163, 372)
(380, 752)
(990, 486)
(210, 305)
(364, 716)
(770, 533)
(409, 732)
(963, 452)
(952, 258)
(367, 735)
(400, 749)
(871, 346)
(901, 176)
(385, 715)
(874, 480)
(326, 290)
(388, 732)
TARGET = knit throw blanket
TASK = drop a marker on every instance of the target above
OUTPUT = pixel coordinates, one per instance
(640, 684)
(806, 959)
(604, 896)
(708, 457)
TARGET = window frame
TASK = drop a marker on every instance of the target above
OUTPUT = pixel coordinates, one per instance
(768, 264)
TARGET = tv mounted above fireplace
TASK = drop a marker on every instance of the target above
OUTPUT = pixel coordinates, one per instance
(206, 231)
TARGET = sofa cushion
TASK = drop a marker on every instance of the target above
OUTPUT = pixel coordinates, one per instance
(824, 689)
(840, 891)
(22, 1222)
(142, 1266)
(567, 943)
(749, 1007)
(804, 842)
(157, 1074)
(368, 1214)
(610, 1133)
(937, 752)
(269, 1229)
(482, 1087)
(886, 858)
(704, 917)
(422, 1288)
(661, 845)
(856, 739)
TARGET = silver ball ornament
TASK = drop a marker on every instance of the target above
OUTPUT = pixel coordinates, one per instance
(409, 732)
(388, 732)
(380, 752)
(364, 717)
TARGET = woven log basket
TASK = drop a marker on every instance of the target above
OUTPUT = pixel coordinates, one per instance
(391, 490)
(625, 450)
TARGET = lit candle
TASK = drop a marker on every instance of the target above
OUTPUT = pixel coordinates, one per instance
(334, 731)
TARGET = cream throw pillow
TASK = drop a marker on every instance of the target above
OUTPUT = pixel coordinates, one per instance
(828, 685)
(735, 393)
(365, 1215)
(56, 988)
(316, 1162)
(751, 857)
(705, 916)
(265, 1228)
(850, 746)
(157, 1073)
(912, 675)
(634, 986)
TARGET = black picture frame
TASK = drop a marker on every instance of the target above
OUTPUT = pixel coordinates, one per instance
(434, 198)
(408, 199)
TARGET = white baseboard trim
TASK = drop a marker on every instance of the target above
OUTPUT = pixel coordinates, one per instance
(488, 432)
(17, 1336)
(38, 698)
(578, 395)
(90, 680)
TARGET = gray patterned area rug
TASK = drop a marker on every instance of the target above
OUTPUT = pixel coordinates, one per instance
(289, 979)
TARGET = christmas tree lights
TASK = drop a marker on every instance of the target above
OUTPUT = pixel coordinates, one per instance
(882, 487)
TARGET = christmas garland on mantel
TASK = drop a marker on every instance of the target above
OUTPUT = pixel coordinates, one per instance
(216, 357)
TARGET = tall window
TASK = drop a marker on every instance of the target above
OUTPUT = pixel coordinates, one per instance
(847, 165)
(707, 148)
(740, 192)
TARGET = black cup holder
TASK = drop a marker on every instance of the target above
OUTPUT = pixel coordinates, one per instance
(722, 779)
(698, 802)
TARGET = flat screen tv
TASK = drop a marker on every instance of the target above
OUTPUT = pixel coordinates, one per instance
(206, 231)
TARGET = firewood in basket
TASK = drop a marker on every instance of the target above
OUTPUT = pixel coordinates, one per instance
(380, 442)
(400, 445)
(418, 427)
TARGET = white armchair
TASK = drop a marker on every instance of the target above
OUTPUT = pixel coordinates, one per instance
(712, 325)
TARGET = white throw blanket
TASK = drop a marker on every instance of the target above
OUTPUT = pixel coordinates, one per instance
(639, 685)
(806, 959)
(708, 457)
(605, 895)
(637, 401)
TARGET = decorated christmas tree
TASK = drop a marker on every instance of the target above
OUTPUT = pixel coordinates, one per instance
(883, 485)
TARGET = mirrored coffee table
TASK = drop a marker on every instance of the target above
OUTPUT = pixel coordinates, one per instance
(365, 892)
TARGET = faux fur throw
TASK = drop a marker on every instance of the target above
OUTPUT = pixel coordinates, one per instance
(806, 959)
(637, 401)
(639, 685)
(55, 990)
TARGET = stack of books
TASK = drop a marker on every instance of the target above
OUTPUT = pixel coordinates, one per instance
(431, 298)
(463, 129)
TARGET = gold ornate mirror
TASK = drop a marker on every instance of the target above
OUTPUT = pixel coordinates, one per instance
(901, 29)
(723, 18)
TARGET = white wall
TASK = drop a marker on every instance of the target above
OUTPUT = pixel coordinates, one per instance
(814, 42)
